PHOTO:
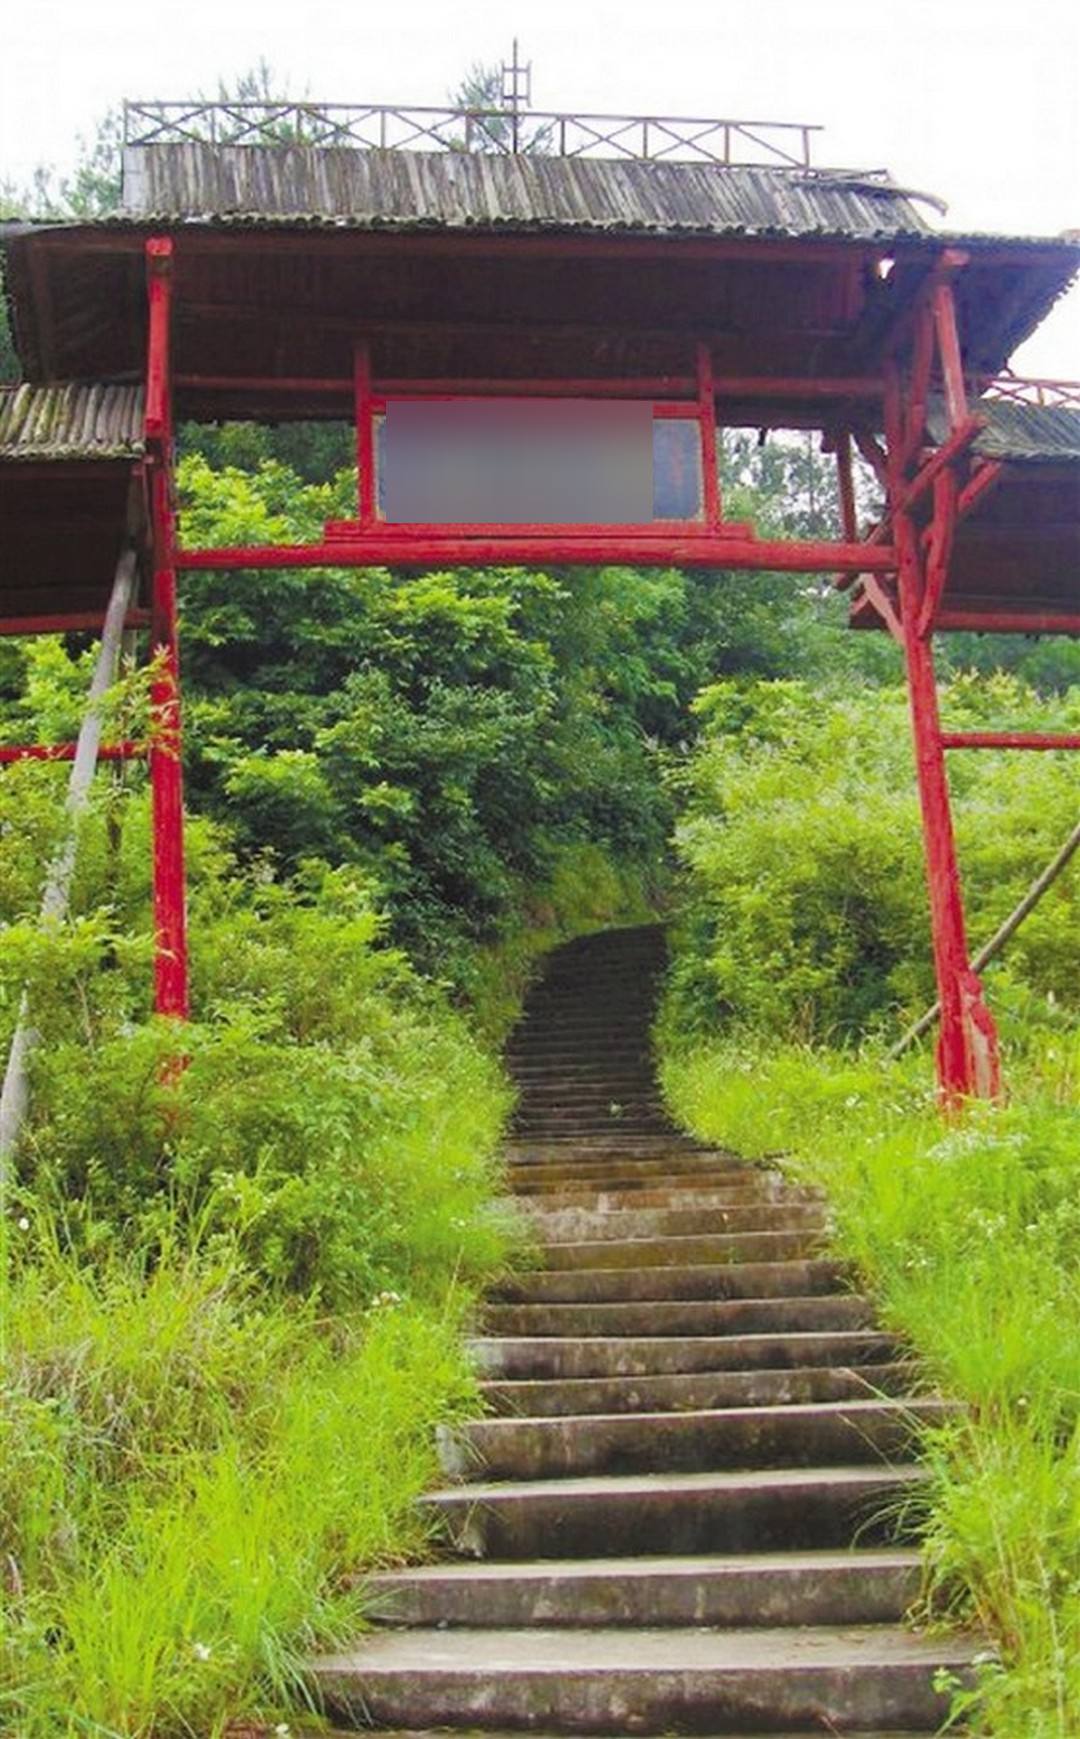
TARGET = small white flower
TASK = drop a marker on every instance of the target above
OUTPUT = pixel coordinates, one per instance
(24, 1224)
(201, 1651)
(282, 1730)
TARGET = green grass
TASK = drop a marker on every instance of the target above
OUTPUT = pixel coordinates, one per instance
(970, 1237)
(192, 1480)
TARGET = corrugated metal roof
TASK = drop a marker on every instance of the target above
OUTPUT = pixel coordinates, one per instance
(458, 190)
(74, 420)
(1018, 431)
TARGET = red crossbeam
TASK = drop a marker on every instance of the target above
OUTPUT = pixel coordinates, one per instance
(1010, 739)
(640, 547)
(66, 752)
(69, 622)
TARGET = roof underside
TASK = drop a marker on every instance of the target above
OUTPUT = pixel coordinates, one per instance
(469, 266)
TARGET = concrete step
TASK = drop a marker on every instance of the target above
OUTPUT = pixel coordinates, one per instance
(731, 1191)
(588, 1193)
(554, 1358)
(715, 1249)
(799, 1279)
(682, 1513)
(766, 1588)
(606, 1148)
(621, 1172)
(680, 1393)
(691, 1316)
(808, 1434)
(585, 1225)
(593, 1681)
(324, 1732)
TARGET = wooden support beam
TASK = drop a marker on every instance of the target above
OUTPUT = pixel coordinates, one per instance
(394, 547)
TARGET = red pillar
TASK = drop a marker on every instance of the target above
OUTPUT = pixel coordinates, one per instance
(166, 776)
(967, 1052)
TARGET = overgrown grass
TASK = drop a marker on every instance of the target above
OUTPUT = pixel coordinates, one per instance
(970, 1237)
(237, 1259)
(191, 1480)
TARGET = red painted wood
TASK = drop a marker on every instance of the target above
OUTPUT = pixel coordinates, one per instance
(365, 433)
(393, 546)
(989, 620)
(952, 366)
(710, 466)
(158, 411)
(166, 776)
(1010, 740)
(66, 752)
(849, 523)
(942, 530)
(69, 622)
(967, 1050)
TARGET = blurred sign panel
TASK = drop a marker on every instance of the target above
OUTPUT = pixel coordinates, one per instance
(533, 462)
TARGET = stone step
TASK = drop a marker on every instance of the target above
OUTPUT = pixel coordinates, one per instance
(532, 1153)
(715, 1248)
(808, 1434)
(536, 1192)
(712, 1280)
(578, 1226)
(324, 1732)
(684, 1392)
(607, 1174)
(555, 1358)
(731, 1191)
(629, 1515)
(766, 1588)
(542, 1128)
(593, 1681)
(683, 1317)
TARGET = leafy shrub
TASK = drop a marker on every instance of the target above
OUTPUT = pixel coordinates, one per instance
(800, 839)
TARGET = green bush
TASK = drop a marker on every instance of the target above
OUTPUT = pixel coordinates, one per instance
(805, 910)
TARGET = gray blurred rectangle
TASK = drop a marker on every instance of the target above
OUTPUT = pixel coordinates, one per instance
(516, 462)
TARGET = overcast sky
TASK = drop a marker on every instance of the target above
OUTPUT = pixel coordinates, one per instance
(976, 100)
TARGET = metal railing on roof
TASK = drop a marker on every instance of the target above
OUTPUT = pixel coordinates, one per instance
(502, 132)
(1056, 393)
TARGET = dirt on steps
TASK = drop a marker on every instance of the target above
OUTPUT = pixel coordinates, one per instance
(688, 1506)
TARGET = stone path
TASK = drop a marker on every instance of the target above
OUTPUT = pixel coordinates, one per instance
(676, 1515)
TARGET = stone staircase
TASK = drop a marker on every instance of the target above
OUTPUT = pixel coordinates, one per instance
(683, 1511)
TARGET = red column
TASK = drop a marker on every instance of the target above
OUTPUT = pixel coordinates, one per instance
(967, 1053)
(166, 776)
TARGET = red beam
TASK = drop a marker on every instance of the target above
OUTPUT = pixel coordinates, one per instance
(726, 386)
(710, 468)
(960, 439)
(1004, 621)
(389, 548)
(69, 622)
(66, 752)
(1010, 740)
(158, 412)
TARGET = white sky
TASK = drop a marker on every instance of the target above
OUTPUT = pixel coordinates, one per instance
(976, 100)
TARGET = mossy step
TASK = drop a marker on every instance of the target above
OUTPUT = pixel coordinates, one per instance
(767, 1588)
(683, 1392)
(724, 1279)
(682, 1317)
(806, 1434)
(553, 1356)
(594, 1681)
(681, 1513)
